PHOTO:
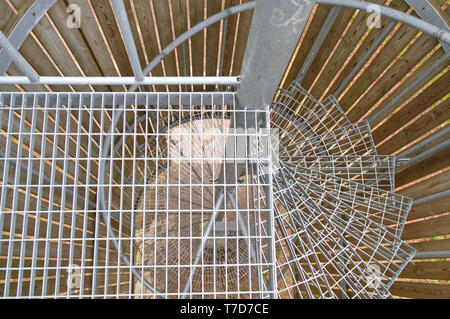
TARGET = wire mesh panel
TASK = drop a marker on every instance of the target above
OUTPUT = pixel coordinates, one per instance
(318, 117)
(388, 209)
(377, 170)
(298, 139)
(180, 195)
(338, 223)
(123, 195)
(348, 246)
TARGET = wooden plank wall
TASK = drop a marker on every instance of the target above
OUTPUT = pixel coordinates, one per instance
(97, 49)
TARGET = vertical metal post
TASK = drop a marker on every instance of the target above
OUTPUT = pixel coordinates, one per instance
(17, 58)
(242, 226)
(275, 31)
(125, 29)
(244, 232)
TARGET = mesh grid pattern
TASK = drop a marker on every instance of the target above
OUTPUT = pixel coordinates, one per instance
(160, 195)
(120, 195)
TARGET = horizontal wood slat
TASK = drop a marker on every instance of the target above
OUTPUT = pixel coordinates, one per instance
(432, 245)
(433, 227)
(427, 270)
(433, 185)
(420, 290)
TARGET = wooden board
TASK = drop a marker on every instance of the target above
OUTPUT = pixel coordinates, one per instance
(432, 227)
(245, 21)
(438, 206)
(420, 127)
(393, 47)
(230, 39)
(427, 270)
(396, 73)
(306, 42)
(421, 290)
(164, 29)
(432, 164)
(197, 41)
(57, 51)
(432, 245)
(77, 44)
(146, 25)
(7, 17)
(433, 185)
(426, 99)
(212, 43)
(327, 48)
(345, 59)
(180, 19)
(91, 32)
(107, 21)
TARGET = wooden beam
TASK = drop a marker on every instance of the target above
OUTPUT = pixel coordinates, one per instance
(438, 206)
(420, 290)
(428, 228)
(427, 270)
(432, 245)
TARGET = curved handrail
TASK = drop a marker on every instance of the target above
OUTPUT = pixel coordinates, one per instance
(40, 7)
(191, 32)
(419, 24)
